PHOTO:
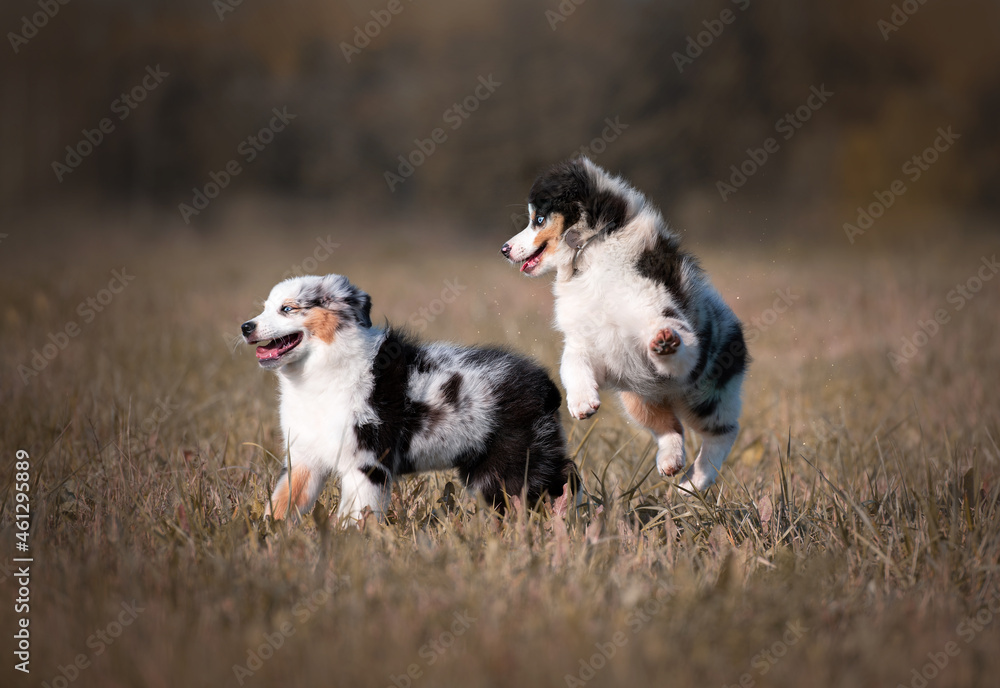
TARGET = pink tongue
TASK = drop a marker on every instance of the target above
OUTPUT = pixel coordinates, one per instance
(272, 350)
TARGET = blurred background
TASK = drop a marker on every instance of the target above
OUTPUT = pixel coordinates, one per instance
(164, 163)
(669, 93)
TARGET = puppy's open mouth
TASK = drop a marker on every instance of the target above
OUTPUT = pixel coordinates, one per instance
(276, 348)
(534, 259)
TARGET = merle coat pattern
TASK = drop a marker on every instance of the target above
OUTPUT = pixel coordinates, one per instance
(369, 405)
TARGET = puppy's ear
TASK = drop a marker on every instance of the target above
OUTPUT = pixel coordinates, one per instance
(361, 305)
(336, 293)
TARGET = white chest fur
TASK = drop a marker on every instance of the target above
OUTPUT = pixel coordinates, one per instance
(608, 311)
(321, 403)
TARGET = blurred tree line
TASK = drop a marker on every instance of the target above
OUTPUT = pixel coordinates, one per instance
(368, 81)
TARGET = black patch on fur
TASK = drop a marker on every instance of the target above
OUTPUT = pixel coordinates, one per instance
(669, 312)
(664, 263)
(423, 363)
(399, 419)
(377, 475)
(563, 188)
(432, 418)
(706, 335)
(722, 429)
(569, 188)
(451, 388)
(528, 440)
(553, 399)
(730, 359)
(606, 211)
(360, 305)
(525, 407)
(706, 408)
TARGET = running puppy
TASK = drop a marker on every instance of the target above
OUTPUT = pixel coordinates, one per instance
(638, 314)
(370, 404)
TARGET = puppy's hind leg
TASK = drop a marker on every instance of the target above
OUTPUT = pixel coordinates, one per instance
(660, 419)
(715, 448)
(717, 420)
(295, 492)
(672, 348)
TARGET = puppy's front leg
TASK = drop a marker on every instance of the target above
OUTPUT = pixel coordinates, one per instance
(581, 381)
(367, 486)
(295, 493)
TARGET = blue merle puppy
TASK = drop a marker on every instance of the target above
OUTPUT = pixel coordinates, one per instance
(370, 405)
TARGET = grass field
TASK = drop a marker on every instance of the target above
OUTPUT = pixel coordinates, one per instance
(854, 540)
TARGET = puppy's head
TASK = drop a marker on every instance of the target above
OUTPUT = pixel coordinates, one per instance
(303, 313)
(555, 205)
(567, 205)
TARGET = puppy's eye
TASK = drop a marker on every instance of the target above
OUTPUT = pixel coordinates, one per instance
(287, 309)
(539, 220)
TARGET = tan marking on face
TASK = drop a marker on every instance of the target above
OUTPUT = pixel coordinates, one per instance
(322, 323)
(552, 231)
(659, 418)
(299, 494)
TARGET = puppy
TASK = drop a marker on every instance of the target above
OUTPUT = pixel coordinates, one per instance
(369, 405)
(637, 313)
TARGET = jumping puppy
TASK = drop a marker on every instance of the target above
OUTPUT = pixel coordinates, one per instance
(370, 404)
(637, 312)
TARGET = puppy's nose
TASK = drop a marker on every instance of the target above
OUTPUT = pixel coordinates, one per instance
(248, 327)
(505, 250)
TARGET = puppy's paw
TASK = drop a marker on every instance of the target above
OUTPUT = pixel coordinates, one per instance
(670, 456)
(583, 405)
(697, 481)
(665, 342)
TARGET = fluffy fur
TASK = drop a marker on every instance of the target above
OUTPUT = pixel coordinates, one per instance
(638, 315)
(369, 405)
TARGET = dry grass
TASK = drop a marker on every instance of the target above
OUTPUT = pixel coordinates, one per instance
(859, 505)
